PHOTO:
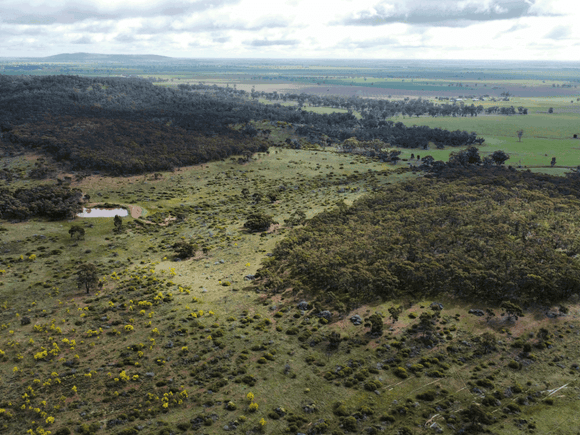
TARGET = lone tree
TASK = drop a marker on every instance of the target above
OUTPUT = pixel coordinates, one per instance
(185, 249)
(513, 311)
(87, 276)
(258, 222)
(376, 324)
(520, 134)
(551, 110)
(334, 341)
(77, 231)
(395, 312)
(499, 157)
(553, 162)
(118, 222)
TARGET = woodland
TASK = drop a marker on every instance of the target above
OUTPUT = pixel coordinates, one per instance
(125, 126)
(472, 232)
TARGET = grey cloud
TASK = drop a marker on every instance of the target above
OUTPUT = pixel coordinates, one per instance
(83, 40)
(560, 32)
(71, 12)
(268, 43)
(222, 39)
(516, 27)
(37, 20)
(125, 38)
(450, 13)
(379, 42)
(387, 42)
(267, 23)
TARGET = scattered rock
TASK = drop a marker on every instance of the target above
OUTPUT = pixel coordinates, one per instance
(325, 314)
(250, 277)
(477, 313)
(436, 306)
(302, 305)
(356, 320)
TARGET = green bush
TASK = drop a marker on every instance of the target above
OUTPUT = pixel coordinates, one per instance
(400, 372)
(258, 222)
(349, 424)
(427, 396)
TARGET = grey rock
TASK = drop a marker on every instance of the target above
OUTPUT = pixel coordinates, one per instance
(477, 313)
(302, 305)
(356, 320)
(436, 306)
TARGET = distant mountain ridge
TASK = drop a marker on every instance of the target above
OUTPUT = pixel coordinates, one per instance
(98, 57)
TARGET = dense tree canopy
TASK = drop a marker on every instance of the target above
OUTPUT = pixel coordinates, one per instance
(476, 232)
(49, 201)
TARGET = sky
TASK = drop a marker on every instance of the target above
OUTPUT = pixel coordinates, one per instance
(317, 29)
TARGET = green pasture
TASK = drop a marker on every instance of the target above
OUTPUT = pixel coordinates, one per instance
(545, 126)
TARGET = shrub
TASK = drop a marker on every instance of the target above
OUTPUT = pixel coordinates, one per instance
(258, 222)
(400, 372)
(485, 383)
(427, 396)
(513, 364)
(372, 385)
(340, 410)
(292, 331)
(349, 424)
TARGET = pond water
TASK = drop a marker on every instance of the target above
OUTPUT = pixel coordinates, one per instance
(103, 212)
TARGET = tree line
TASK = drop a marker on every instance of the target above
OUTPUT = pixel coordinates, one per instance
(47, 201)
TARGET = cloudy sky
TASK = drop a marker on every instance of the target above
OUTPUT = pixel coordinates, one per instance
(374, 29)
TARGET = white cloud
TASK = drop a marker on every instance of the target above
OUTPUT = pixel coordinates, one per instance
(470, 29)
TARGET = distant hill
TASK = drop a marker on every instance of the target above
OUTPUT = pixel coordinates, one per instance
(97, 57)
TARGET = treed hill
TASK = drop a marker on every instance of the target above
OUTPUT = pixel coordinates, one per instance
(121, 146)
(29, 105)
(475, 233)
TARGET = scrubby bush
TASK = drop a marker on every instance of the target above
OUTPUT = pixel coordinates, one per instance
(258, 222)
(400, 372)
